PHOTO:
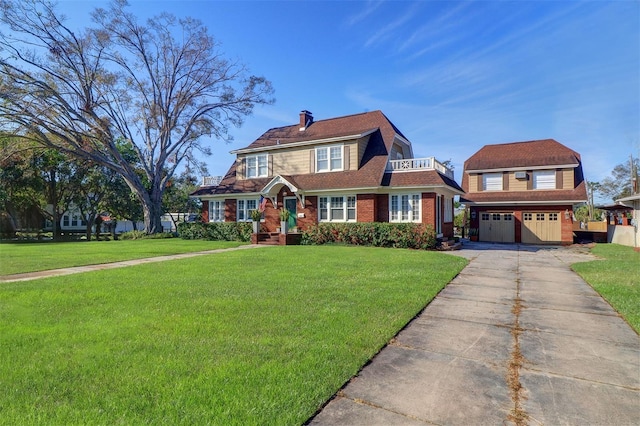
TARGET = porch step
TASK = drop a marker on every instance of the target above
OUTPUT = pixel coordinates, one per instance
(269, 238)
(448, 245)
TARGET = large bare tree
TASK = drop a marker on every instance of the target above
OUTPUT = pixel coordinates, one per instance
(163, 87)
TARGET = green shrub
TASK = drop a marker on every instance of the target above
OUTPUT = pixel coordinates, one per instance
(161, 235)
(216, 231)
(132, 235)
(397, 235)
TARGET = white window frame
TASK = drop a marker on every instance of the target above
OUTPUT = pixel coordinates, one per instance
(216, 210)
(448, 209)
(244, 207)
(257, 165)
(544, 179)
(405, 208)
(330, 153)
(330, 204)
(492, 182)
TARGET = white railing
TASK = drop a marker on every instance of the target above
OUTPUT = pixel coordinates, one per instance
(417, 164)
(211, 180)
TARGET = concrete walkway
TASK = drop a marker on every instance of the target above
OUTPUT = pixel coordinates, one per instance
(516, 338)
(78, 269)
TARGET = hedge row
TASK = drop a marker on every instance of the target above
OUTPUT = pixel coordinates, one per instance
(222, 231)
(398, 235)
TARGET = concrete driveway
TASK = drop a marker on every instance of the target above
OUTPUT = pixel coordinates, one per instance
(516, 338)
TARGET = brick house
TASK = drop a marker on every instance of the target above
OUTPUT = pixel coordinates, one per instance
(524, 192)
(356, 168)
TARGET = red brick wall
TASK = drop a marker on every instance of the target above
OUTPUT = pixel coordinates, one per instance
(382, 208)
(205, 211)
(230, 210)
(429, 209)
(366, 208)
(447, 229)
(310, 211)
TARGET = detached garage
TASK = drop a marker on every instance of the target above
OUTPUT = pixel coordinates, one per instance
(524, 192)
(541, 228)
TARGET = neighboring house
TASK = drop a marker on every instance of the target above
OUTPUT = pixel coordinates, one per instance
(630, 234)
(524, 192)
(357, 168)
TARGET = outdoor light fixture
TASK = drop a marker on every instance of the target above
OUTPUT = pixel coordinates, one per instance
(566, 214)
(473, 214)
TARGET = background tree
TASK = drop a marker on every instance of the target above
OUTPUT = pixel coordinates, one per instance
(176, 198)
(98, 186)
(83, 92)
(61, 179)
(587, 213)
(21, 190)
(620, 183)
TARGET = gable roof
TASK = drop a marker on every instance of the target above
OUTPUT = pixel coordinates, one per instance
(371, 170)
(522, 155)
(546, 152)
(355, 125)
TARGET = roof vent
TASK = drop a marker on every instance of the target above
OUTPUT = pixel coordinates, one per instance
(306, 118)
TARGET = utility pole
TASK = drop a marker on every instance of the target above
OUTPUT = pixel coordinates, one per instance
(634, 175)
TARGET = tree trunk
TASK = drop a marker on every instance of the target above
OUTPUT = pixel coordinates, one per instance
(152, 221)
(90, 219)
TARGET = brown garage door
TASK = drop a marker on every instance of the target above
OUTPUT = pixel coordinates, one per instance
(497, 227)
(541, 227)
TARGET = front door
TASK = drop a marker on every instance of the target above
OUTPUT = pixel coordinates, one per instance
(290, 203)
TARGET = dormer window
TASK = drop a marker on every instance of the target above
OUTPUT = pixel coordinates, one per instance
(257, 166)
(544, 179)
(492, 181)
(329, 158)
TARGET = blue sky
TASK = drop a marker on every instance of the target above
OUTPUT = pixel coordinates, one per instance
(452, 76)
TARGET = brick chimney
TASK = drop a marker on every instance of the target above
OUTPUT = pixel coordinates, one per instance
(306, 118)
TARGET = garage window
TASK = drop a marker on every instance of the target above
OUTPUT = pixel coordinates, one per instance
(539, 216)
(528, 216)
(485, 216)
(553, 216)
(544, 179)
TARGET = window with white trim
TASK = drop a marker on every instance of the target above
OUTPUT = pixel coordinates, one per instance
(404, 208)
(257, 166)
(338, 208)
(243, 209)
(448, 209)
(544, 179)
(329, 158)
(216, 211)
(492, 181)
(73, 220)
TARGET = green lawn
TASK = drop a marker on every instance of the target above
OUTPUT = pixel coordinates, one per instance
(616, 278)
(16, 258)
(243, 337)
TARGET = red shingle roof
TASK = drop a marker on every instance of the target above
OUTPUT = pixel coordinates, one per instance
(324, 129)
(370, 173)
(532, 154)
(545, 152)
